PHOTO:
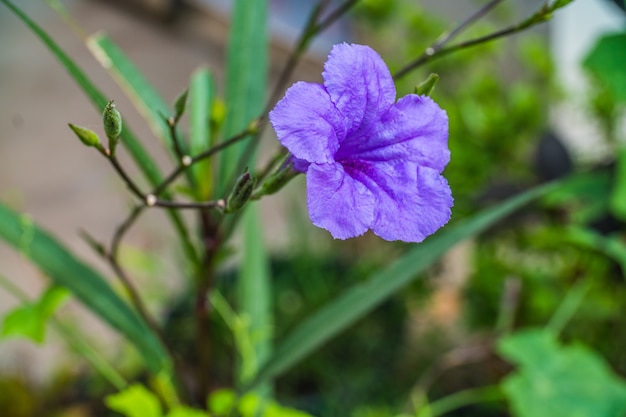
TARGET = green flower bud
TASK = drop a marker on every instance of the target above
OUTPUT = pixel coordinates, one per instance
(426, 87)
(112, 120)
(87, 136)
(278, 179)
(179, 106)
(241, 192)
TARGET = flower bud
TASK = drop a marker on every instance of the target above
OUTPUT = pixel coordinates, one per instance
(112, 120)
(87, 136)
(179, 106)
(241, 192)
(426, 87)
(278, 179)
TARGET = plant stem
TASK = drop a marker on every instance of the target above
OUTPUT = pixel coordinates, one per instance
(436, 48)
(568, 307)
(462, 399)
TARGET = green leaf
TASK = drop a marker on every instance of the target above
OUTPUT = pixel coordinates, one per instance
(135, 401)
(558, 381)
(617, 203)
(607, 61)
(255, 294)
(182, 411)
(86, 284)
(145, 162)
(29, 320)
(246, 81)
(357, 301)
(132, 81)
(201, 92)
(24, 321)
(610, 246)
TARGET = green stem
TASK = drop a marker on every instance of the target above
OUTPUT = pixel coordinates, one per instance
(568, 307)
(461, 399)
(540, 16)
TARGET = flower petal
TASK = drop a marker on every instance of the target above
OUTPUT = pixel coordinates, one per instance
(360, 85)
(337, 202)
(307, 123)
(414, 129)
(411, 202)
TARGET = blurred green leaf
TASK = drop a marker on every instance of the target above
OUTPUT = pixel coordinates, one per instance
(357, 301)
(64, 269)
(135, 401)
(24, 321)
(246, 80)
(617, 202)
(132, 81)
(607, 61)
(611, 246)
(222, 402)
(201, 95)
(29, 319)
(182, 411)
(558, 381)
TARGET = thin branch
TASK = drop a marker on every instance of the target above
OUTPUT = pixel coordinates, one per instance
(303, 41)
(336, 14)
(206, 154)
(436, 47)
(219, 204)
(125, 177)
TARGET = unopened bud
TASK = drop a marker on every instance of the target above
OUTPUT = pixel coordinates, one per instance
(112, 121)
(278, 179)
(426, 87)
(87, 136)
(179, 106)
(241, 192)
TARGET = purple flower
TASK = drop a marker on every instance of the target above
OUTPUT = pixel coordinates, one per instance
(370, 162)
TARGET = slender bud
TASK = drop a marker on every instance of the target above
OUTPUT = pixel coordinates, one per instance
(112, 120)
(426, 87)
(278, 179)
(179, 106)
(87, 136)
(241, 192)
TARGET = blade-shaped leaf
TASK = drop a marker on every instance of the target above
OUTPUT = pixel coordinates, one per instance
(132, 81)
(201, 94)
(246, 80)
(357, 301)
(86, 284)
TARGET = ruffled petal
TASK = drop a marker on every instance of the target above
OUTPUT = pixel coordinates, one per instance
(412, 202)
(414, 129)
(337, 202)
(360, 85)
(308, 123)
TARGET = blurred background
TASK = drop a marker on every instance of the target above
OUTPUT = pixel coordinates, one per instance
(522, 111)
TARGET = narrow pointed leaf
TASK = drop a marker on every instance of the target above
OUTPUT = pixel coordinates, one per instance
(201, 95)
(132, 81)
(357, 301)
(88, 286)
(246, 82)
